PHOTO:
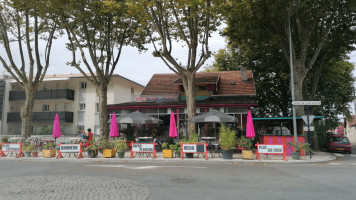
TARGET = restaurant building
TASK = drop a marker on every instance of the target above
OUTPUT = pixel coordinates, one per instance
(231, 92)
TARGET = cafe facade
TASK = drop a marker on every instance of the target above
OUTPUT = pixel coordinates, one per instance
(231, 92)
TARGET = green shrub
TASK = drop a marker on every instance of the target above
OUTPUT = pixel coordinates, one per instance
(227, 138)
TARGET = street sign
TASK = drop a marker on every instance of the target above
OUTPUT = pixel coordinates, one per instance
(305, 118)
(306, 103)
(311, 128)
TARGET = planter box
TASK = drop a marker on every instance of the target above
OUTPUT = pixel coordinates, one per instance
(49, 153)
(34, 154)
(109, 153)
(247, 154)
(167, 153)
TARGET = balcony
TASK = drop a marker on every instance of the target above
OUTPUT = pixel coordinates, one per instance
(60, 94)
(41, 117)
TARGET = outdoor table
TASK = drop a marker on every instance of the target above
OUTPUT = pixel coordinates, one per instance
(16, 139)
(146, 139)
(75, 140)
(209, 140)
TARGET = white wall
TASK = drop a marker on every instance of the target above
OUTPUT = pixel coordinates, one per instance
(119, 91)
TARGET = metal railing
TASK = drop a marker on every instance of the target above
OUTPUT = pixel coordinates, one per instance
(58, 94)
(14, 117)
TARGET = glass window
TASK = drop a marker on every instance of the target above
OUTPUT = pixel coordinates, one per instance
(97, 107)
(45, 108)
(83, 85)
(202, 88)
(82, 106)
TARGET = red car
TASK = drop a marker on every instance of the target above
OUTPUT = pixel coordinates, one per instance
(339, 143)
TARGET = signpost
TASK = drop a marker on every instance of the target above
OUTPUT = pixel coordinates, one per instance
(308, 119)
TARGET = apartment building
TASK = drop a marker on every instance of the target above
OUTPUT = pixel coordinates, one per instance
(72, 96)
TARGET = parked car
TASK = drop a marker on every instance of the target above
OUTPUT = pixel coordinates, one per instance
(339, 143)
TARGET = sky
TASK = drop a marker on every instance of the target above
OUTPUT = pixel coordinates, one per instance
(138, 67)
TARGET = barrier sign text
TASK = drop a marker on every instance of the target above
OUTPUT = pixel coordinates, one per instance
(70, 148)
(142, 147)
(11, 147)
(270, 148)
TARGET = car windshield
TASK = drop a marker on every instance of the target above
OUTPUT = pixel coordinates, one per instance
(340, 140)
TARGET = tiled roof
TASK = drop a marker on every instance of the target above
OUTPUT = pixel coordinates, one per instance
(202, 78)
(230, 83)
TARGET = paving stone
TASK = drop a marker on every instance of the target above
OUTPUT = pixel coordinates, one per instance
(71, 187)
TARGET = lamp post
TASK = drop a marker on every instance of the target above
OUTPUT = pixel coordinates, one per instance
(292, 81)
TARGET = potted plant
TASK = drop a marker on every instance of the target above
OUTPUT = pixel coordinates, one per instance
(49, 150)
(120, 147)
(298, 148)
(227, 141)
(93, 149)
(28, 149)
(166, 150)
(176, 148)
(107, 148)
(246, 145)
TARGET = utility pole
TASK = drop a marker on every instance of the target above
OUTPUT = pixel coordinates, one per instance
(292, 81)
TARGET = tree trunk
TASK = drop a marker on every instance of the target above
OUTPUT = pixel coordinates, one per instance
(26, 112)
(103, 113)
(299, 76)
(189, 88)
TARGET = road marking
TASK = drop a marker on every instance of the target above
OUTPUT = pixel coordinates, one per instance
(106, 165)
(338, 154)
(334, 163)
(353, 155)
(145, 167)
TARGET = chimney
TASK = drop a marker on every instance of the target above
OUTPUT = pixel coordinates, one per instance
(244, 74)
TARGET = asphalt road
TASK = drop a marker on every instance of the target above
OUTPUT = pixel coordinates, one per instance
(177, 180)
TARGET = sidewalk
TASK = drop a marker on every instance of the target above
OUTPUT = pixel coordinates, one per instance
(317, 157)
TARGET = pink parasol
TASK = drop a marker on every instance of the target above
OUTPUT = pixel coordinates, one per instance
(114, 131)
(172, 126)
(56, 128)
(250, 130)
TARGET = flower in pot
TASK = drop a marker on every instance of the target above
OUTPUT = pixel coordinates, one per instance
(298, 147)
(227, 141)
(246, 145)
(167, 151)
(176, 148)
(28, 149)
(49, 150)
(107, 148)
(120, 147)
(93, 148)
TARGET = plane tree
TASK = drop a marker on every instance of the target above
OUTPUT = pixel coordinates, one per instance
(180, 25)
(97, 32)
(26, 34)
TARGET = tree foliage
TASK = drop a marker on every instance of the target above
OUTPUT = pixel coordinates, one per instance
(23, 24)
(320, 30)
(188, 24)
(97, 31)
